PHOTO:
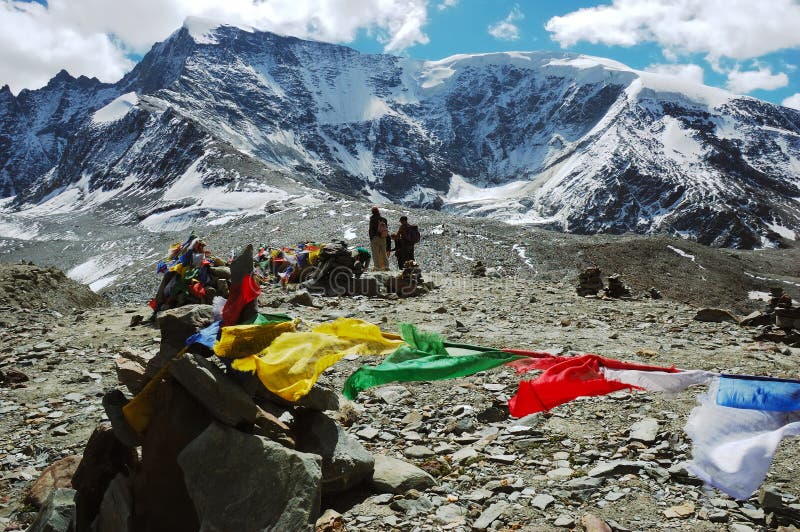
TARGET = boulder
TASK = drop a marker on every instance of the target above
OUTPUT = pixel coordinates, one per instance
(715, 315)
(56, 475)
(116, 509)
(103, 458)
(57, 513)
(176, 326)
(396, 476)
(345, 462)
(233, 481)
(177, 421)
(130, 374)
(223, 397)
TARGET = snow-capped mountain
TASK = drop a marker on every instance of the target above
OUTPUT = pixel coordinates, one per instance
(218, 115)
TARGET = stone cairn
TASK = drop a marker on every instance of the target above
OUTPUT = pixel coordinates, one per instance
(590, 282)
(409, 282)
(616, 288)
(478, 269)
(216, 450)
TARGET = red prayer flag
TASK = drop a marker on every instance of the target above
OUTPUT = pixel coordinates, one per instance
(567, 378)
(238, 297)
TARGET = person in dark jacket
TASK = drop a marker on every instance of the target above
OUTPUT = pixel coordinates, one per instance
(378, 231)
(404, 243)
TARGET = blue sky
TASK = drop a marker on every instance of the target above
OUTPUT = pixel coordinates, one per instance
(464, 28)
(747, 46)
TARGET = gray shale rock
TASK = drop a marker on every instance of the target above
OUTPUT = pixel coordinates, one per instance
(57, 514)
(224, 398)
(116, 510)
(490, 515)
(645, 430)
(617, 467)
(345, 462)
(176, 326)
(232, 477)
(396, 476)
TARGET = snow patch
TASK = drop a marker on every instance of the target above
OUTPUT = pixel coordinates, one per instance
(785, 232)
(681, 252)
(117, 109)
(523, 255)
(758, 296)
(97, 271)
(203, 30)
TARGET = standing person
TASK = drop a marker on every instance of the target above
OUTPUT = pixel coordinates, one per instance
(405, 239)
(378, 231)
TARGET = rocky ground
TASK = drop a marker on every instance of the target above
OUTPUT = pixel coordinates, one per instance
(545, 472)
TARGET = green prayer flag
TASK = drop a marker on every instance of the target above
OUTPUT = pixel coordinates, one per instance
(425, 358)
(263, 319)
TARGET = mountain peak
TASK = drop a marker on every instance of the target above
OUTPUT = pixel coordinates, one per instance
(203, 30)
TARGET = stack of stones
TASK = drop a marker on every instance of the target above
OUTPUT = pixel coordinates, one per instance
(589, 282)
(212, 449)
(616, 288)
(478, 269)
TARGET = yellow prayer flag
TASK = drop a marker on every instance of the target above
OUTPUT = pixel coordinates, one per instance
(292, 363)
(239, 341)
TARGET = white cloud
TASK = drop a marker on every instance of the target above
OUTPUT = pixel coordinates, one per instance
(506, 30)
(92, 37)
(792, 101)
(446, 4)
(737, 29)
(750, 80)
(690, 71)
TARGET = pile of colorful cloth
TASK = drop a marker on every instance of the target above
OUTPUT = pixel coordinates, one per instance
(191, 275)
(286, 264)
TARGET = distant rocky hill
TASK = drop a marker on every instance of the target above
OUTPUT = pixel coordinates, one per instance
(220, 119)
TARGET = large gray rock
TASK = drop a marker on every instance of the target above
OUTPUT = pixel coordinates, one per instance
(104, 457)
(225, 400)
(345, 462)
(243, 482)
(58, 512)
(490, 515)
(116, 509)
(176, 326)
(396, 476)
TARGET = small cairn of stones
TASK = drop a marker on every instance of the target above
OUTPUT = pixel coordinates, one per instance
(589, 282)
(478, 269)
(616, 288)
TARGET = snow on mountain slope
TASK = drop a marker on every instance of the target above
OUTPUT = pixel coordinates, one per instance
(219, 120)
